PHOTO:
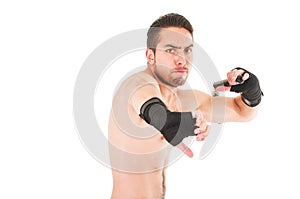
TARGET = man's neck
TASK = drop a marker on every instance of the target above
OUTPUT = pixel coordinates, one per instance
(168, 92)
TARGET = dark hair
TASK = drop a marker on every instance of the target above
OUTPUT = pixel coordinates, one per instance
(165, 21)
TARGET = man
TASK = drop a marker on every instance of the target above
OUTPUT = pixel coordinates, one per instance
(150, 114)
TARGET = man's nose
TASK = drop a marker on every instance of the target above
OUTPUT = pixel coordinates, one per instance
(180, 59)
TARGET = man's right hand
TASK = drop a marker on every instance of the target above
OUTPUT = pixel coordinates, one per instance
(201, 132)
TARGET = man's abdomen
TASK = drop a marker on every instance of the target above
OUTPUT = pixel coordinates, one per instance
(138, 186)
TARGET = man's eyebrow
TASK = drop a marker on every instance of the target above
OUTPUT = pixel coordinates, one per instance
(177, 47)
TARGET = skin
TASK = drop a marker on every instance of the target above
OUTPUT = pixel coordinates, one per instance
(138, 153)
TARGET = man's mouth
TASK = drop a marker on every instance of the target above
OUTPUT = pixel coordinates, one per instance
(180, 71)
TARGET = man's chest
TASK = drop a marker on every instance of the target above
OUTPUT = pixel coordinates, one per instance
(182, 102)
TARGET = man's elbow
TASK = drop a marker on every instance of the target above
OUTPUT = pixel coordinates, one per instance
(248, 115)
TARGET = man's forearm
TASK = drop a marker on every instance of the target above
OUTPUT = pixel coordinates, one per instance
(245, 112)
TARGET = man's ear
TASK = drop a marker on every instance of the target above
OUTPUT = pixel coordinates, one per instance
(150, 56)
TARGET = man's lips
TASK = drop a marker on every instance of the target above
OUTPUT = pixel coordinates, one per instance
(180, 71)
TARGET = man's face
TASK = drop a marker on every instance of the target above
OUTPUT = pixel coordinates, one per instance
(173, 56)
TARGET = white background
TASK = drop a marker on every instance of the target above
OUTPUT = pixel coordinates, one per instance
(43, 46)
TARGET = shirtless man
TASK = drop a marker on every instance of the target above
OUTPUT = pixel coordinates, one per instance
(150, 114)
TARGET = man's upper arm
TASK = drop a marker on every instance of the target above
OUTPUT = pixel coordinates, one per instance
(221, 109)
(142, 94)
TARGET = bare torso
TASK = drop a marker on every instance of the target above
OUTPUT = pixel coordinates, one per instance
(139, 160)
(138, 165)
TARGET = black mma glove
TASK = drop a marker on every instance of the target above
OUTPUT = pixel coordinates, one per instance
(249, 89)
(174, 126)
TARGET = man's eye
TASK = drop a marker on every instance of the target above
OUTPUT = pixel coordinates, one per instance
(171, 50)
(188, 50)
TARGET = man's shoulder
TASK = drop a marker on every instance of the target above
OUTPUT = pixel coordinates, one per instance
(134, 82)
(193, 95)
(185, 92)
(143, 76)
(138, 79)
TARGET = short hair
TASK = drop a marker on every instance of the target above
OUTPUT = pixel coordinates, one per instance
(165, 21)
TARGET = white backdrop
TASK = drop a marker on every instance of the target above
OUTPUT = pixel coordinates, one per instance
(43, 46)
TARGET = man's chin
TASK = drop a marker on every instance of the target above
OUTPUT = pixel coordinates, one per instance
(178, 82)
